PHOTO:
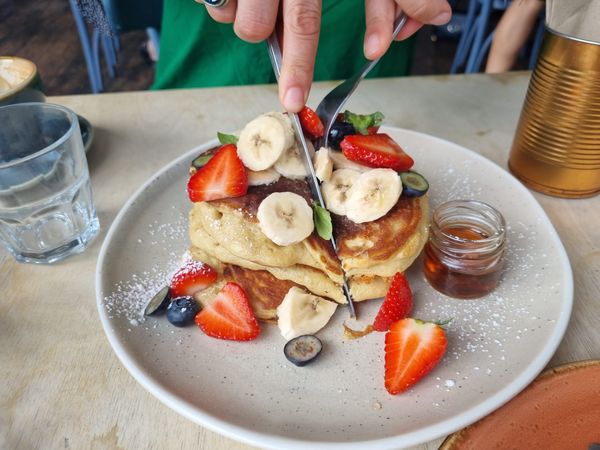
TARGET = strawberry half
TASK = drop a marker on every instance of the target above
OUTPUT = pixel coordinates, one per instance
(223, 176)
(412, 349)
(396, 305)
(311, 123)
(191, 278)
(229, 315)
(376, 150)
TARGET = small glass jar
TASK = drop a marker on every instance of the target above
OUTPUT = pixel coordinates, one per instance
(464, 254)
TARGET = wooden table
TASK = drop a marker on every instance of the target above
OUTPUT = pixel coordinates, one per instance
(62, 385)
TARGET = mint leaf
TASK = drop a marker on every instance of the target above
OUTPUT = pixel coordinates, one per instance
(362, 122)
(201, 161)
(322, 220)
(227, 138)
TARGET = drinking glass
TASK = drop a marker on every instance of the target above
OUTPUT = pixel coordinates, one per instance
(46, 208)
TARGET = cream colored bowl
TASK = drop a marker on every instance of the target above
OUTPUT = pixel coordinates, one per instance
(250, 392)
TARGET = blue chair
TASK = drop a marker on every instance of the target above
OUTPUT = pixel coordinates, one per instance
(121, 16)
(474, 45)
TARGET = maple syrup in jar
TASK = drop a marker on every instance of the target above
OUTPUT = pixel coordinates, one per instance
(464, 254)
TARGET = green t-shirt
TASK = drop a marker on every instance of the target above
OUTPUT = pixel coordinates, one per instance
(196, 51)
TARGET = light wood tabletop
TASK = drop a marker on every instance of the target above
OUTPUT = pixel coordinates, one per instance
(62, 385)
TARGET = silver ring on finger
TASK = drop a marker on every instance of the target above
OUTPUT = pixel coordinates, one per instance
(216, 3)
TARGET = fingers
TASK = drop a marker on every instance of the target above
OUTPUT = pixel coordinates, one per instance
(379, 16)
(433, 12)
(255, 19)
(301, 24)
(410, 27)
(225, 14)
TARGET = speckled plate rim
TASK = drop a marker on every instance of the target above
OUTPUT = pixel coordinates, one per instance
(548, 374)
(425, 434)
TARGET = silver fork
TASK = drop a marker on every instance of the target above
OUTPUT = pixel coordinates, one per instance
(333, 102)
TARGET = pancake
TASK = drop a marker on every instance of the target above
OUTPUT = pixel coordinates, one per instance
(227, 231)
(314, 280)
(384, 246)
(225, 234)
(233, 224)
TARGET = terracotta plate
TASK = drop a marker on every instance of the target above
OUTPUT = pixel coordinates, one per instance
(560, 409)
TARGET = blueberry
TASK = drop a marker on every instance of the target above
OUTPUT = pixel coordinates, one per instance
(413, 184)
(159, 302)
(182, 310)
(338, 131)
(303, 349)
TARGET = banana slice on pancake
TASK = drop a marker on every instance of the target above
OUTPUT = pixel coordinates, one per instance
(285, 218)
(372, 195)
(335, 190)
(341, 162)
(291, 165)
(262, 177)
(323, 164)
(263, 140)
(288, 128)
(303, 313)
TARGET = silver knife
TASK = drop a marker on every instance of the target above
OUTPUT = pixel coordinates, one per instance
(313, 182)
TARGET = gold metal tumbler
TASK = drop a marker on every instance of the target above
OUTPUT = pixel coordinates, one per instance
(556, 149)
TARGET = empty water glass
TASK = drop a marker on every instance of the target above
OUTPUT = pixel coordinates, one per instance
(46, 207)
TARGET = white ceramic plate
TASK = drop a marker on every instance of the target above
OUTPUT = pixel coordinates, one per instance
(248, 391)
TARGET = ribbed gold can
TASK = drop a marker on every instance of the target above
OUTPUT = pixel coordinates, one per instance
(556, 149)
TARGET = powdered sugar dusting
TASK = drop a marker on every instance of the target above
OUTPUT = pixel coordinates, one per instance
(130, 297)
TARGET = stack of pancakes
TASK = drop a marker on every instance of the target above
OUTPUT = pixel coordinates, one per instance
(226, 234)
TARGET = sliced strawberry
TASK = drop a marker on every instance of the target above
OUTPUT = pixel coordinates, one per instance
(311, 123)
(229, 315)
(412, 349)
(396, 305)
(223, 176)
(373, 130)
(191, 278)
(376, 150)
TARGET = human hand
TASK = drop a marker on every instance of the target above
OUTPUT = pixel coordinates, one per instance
(255, 20)
(380, 16)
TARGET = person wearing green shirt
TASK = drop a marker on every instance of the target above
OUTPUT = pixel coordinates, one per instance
(197, 51)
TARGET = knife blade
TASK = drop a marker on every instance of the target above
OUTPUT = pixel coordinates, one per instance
(313, 182)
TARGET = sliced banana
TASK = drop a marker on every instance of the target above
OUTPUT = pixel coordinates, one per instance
(285, 218)
(372, 195)
(341, 162)
(303, 313)
(262, 177)
(335, 190)
(262, 141)
(291, 165)
(290, 135)
(323, 164)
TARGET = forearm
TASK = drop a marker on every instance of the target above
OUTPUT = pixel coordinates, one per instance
(512, 33)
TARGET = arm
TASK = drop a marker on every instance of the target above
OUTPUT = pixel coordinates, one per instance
(511, 34)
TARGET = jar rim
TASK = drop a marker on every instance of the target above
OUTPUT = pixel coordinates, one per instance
(476, 208)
